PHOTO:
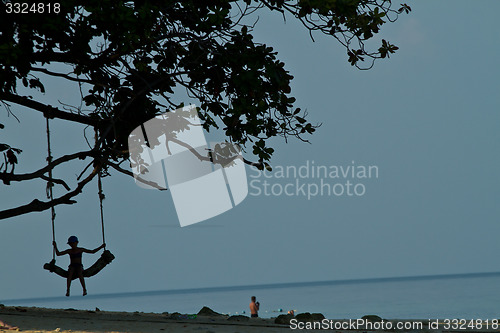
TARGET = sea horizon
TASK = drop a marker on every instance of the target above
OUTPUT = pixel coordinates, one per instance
(258, 286)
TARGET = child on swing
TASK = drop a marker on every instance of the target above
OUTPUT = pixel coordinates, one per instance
(75, 266)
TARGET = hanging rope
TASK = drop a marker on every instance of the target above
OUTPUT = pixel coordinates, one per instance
(100, 193)
(50, 184)
(101, 198)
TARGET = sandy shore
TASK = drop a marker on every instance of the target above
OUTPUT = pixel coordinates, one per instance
(42, 320)
(30, 319)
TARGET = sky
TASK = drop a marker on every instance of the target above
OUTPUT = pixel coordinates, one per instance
(427, 120)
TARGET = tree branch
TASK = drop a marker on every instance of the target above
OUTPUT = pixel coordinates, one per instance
(66, 76)
(48, 110)
(50, 56)
(129, 173)
(39, 206)
(57, 181)
(8, 177)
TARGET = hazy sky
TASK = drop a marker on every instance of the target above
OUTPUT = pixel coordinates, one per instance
(428, 119)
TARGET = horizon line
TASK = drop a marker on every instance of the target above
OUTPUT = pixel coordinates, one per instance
(262, 286)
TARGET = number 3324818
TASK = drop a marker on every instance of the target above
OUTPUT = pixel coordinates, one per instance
(32, 8)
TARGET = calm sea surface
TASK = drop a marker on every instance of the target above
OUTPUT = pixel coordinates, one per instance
(459, 296)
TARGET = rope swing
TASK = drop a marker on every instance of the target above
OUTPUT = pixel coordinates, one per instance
(106, 256)
(101, 199)
(48, 190)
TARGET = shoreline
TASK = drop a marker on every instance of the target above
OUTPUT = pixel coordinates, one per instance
(45, 320)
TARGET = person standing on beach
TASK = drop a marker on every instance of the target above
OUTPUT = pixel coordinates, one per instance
(254, 307)
(75, 265)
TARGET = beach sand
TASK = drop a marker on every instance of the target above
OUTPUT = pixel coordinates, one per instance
(31, 319)
(42, 320)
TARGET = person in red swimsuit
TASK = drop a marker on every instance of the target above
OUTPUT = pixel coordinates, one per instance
(75, 265)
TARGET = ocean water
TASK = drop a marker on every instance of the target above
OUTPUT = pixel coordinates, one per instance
(471, 296)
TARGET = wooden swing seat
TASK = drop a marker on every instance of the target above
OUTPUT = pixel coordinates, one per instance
(103, 261)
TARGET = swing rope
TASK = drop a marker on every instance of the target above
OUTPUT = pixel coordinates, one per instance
(100, 192)
(50, 184)
(101, 198)
(106, 257)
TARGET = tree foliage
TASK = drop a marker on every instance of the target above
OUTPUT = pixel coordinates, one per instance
(130, 57)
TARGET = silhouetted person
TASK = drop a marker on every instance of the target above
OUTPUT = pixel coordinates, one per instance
(75, 266)
(254, 307)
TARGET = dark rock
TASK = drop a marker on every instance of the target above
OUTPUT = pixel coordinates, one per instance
(174, 315)
(317, 316)
(238, 318)
(283, 319)
(206, 311)
(304, 317)
(372, 318)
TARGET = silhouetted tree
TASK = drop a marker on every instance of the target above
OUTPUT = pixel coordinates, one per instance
(128, 58)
